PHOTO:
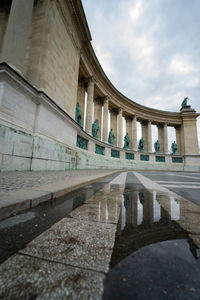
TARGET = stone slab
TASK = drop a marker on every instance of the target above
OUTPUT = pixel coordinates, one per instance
(23, 277)
(103, 207)
(74, 242)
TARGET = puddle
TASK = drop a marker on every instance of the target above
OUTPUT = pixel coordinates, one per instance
(18, 230)
(156, 253)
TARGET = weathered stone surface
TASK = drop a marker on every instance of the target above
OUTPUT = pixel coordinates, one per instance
(78, 243)
(23, 277)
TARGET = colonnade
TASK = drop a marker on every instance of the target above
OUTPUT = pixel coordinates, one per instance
(104, 109)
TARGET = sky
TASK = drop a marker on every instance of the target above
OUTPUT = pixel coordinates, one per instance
(149, 49)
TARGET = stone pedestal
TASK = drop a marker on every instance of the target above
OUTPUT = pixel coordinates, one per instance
(189, 131)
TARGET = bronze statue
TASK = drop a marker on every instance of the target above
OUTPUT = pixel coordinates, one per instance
(78, 117)
(95, 128)
(111, 137)
(126, 141)
(141, 144)
(174, 148)
(184, 103)
(157, 146)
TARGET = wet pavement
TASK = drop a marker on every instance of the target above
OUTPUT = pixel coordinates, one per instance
(139, 224)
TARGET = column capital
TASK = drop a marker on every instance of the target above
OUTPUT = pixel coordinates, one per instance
(106, 99)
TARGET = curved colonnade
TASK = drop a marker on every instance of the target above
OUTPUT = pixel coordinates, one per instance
(54, 56)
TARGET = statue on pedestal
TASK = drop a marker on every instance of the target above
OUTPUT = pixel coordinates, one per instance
(126, 141)
(157, 146)
(78, 117)
(174, 148)
(95, 128)
(111, 137)
(184, 103)
(141, 144)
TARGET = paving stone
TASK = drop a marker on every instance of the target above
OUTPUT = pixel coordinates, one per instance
(79, 243)
(23, 277)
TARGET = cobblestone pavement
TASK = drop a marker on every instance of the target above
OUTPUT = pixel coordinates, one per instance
(14, 181)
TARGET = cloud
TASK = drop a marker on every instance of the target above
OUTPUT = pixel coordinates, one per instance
(181, 65)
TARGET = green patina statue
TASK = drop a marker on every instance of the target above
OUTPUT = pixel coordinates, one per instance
(174, 148)
(111, 137)
(184, 103)
(141, 144)
(95, 128)
(126, 141)
(157, 146)
(78, 117)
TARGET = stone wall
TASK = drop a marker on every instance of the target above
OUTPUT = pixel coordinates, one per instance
(54, 54)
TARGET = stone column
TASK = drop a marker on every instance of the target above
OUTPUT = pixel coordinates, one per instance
(161, 137)
(129, 130)
(17, 33)
(90, 98)
(81, 98)
(165, 138)
(105, 120)
(119, 130)
(134, 123)
(189, 131)
(149, 136)
(4, 15)
(179, 139)
(113, 123)
(144, 135)
(98, 114)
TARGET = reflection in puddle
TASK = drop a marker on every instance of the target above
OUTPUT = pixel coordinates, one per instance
(156, 248)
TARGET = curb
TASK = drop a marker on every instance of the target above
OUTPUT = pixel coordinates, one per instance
(15, 206)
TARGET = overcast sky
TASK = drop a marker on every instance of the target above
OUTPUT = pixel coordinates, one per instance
(149, 49)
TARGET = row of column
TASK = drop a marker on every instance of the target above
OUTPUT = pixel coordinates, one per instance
(116, 122)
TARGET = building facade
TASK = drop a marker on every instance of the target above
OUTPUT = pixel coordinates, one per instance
(49, 75)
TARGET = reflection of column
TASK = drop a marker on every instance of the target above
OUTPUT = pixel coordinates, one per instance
(135, 133)
(17, 33)
(149, 136)
(148, 208)
(165, 138)
(113, 123)
(129, 130)
(156, 208)
(165, 203)
(119, 130)
(161, 137)
(105, 120)
(98, 114)
(90, 98)
(134, 196)
(144, 135)
(81, 98)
